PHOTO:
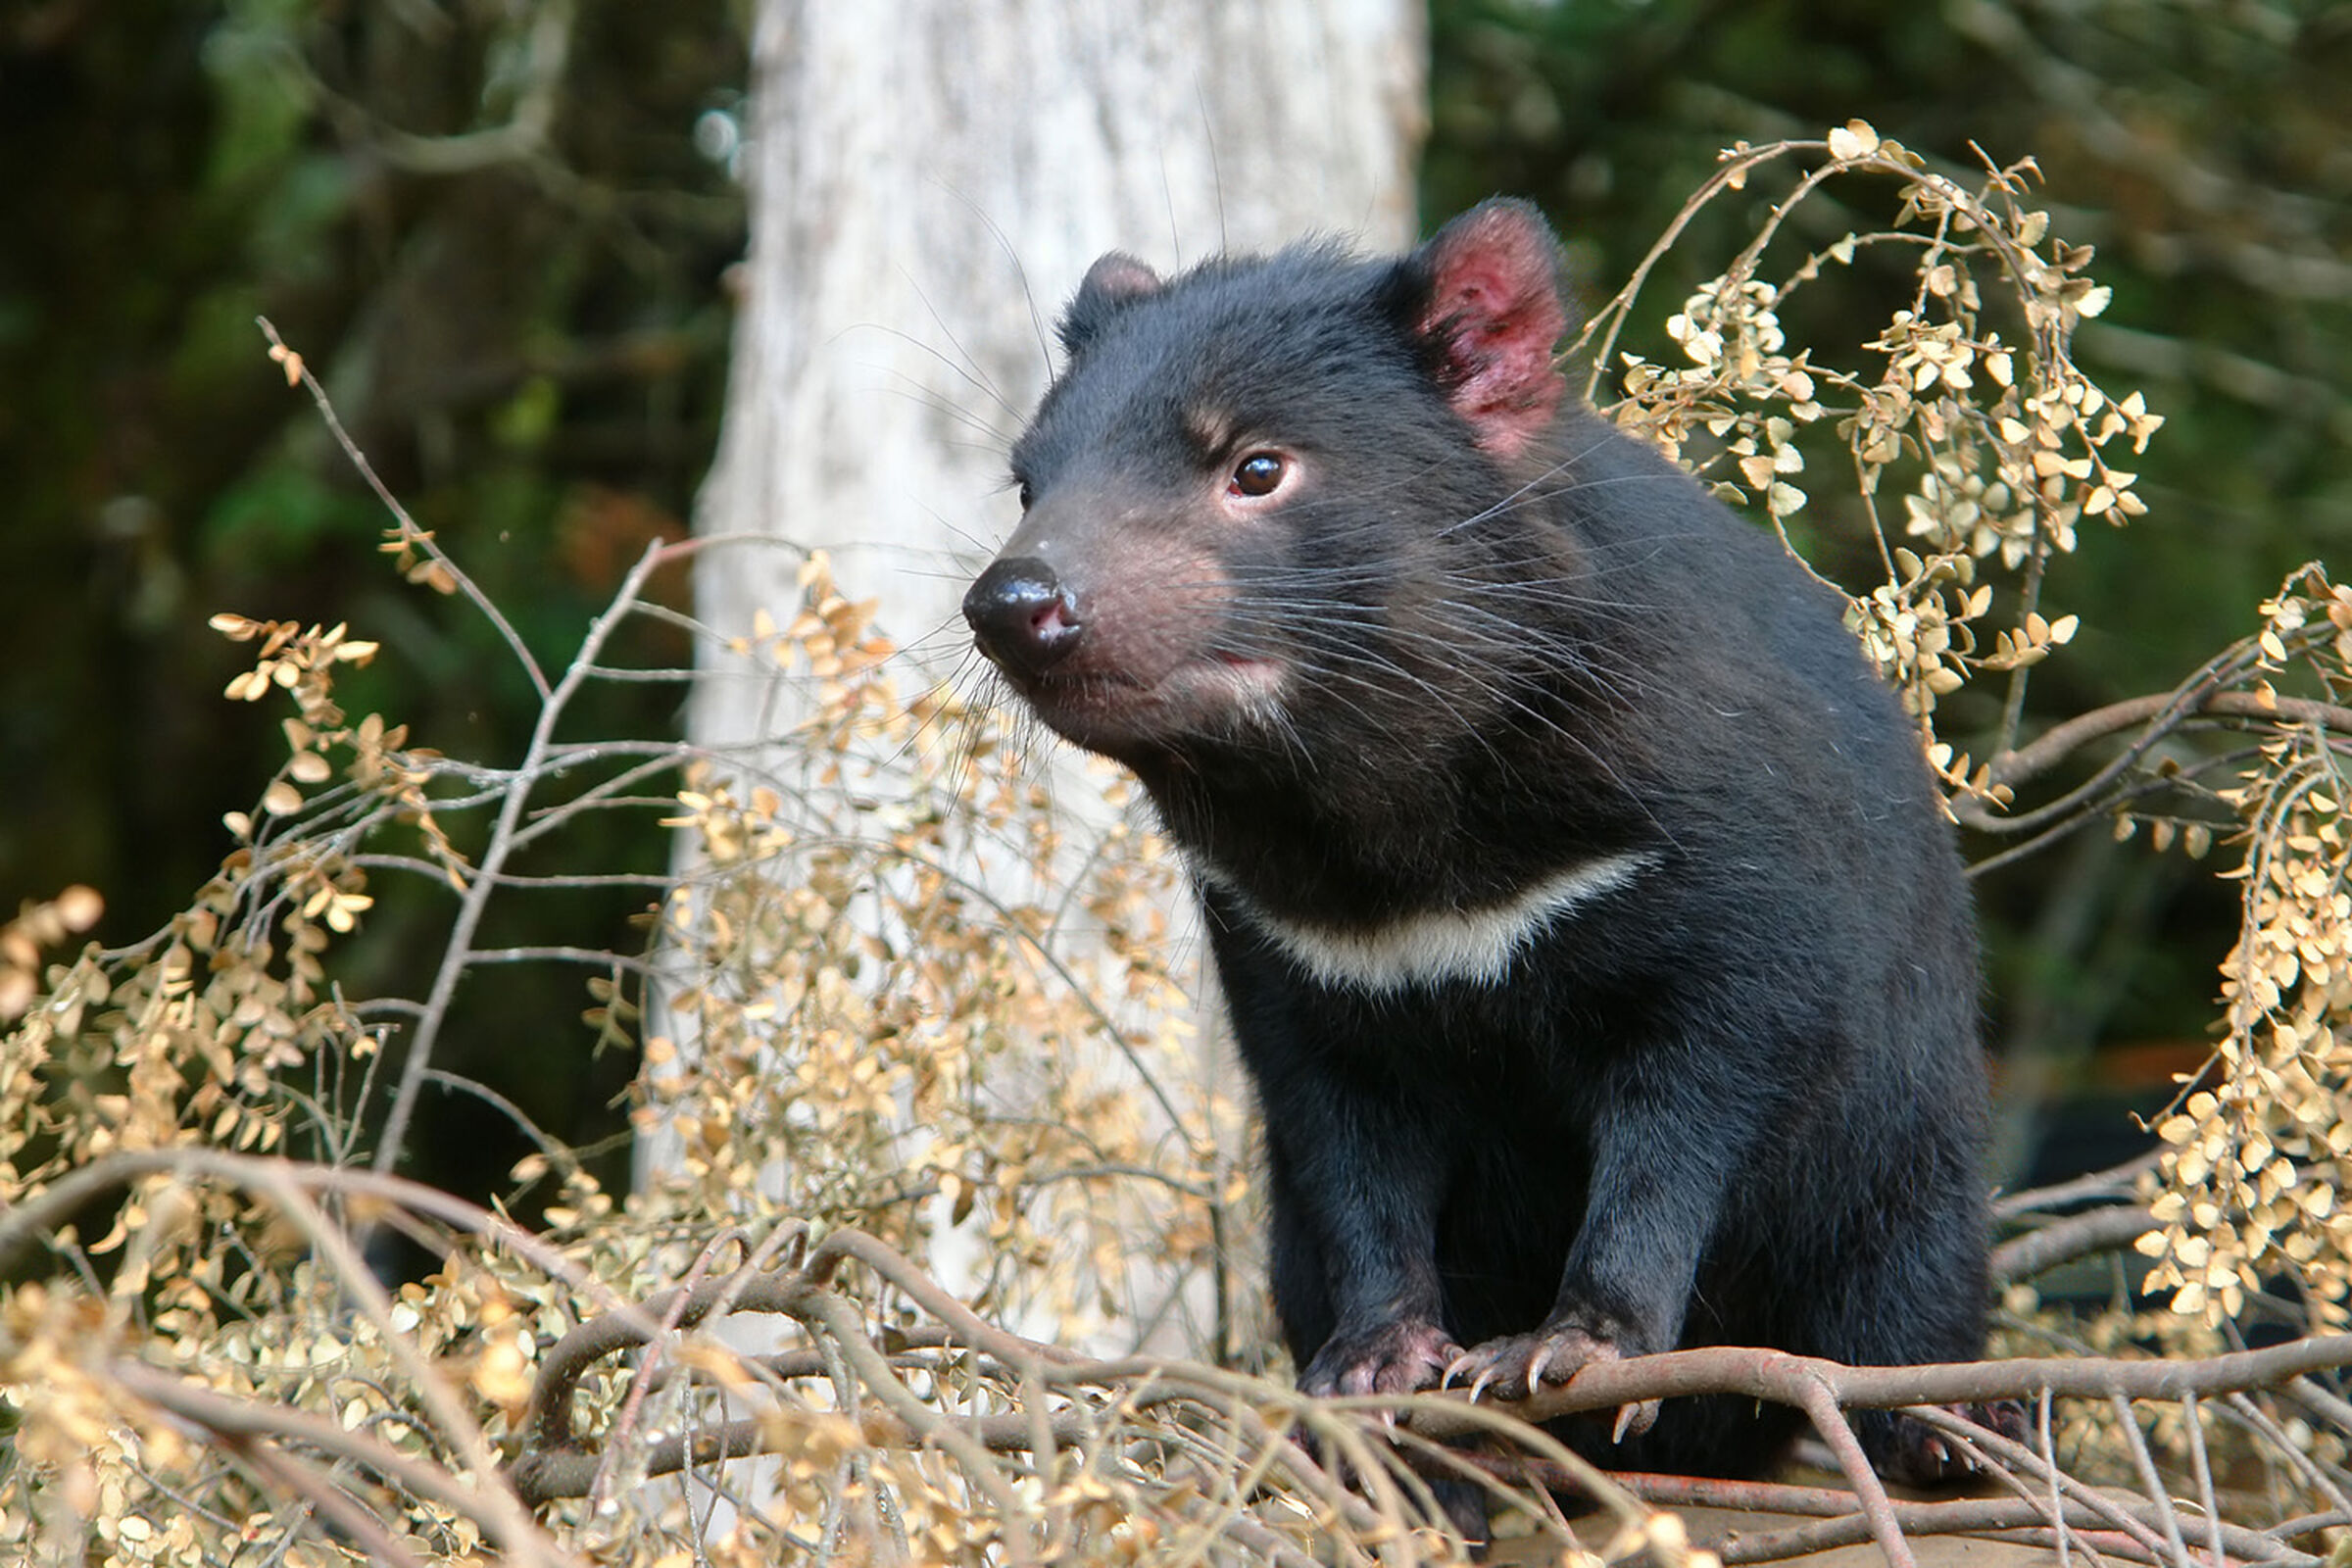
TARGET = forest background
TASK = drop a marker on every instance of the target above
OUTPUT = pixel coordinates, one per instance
(506, 238)
(531, 334)
(527, 334)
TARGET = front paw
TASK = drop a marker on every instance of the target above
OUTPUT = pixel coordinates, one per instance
(1401, 1357)
(1517, 1365)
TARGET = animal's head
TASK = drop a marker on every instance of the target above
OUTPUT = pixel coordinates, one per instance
(1271, 481)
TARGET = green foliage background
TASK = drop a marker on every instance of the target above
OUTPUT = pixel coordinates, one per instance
(527, 334)
(532, 351)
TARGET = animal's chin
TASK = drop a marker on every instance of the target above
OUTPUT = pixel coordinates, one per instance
(1118, 714)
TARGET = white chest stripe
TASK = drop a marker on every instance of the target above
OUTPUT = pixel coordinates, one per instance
(1475, 945)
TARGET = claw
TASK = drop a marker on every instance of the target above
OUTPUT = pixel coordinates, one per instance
(1454, 1369)
(1635, 1418)
(1536, 1364)
(1480, 1387)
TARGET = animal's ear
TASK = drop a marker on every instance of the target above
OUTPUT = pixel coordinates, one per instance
(1115, 282)
(1487, 308)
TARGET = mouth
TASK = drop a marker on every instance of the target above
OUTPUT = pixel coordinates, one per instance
(1219, 696)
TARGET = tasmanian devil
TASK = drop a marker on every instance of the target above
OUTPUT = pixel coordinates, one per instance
(1590, 925)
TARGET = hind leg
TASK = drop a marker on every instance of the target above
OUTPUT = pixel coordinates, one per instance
(1914, 1294)
(1912, 1453)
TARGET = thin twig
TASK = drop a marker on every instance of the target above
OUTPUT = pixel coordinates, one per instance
(1821, 1404)
(292, 1476)
(2017, 1457)
(632, 1403)
(1970, 1516)
(2192, 1418)
(410, 532)
(451, 1418)
(2156, 716)
(2318, 1476)
(2048, 1454)
(271, 1421)
(2038, 1251)
(456, 953)
(2150, 1483)
(2115, 1182)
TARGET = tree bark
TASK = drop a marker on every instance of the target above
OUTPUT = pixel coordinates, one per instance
(928, 180)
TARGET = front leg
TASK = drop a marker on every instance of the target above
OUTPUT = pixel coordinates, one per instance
(1356, 1183)
(1665, 1140)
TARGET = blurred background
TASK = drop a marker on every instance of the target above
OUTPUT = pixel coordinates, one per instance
(500, 231)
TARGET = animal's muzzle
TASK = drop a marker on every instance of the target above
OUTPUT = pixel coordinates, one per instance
(1022, 615)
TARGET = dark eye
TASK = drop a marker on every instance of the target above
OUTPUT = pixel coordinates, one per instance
(1028, 495)
(1258, 475)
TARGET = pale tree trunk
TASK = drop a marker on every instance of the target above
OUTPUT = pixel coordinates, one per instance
(928, 180)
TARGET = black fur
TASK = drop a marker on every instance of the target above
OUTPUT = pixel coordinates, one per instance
(1473, 639)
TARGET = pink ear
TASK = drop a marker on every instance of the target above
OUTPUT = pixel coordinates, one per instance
(1115, 282)
(1118, 277)
(1493, 312)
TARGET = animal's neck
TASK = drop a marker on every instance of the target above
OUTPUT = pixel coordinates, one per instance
(1376, 842)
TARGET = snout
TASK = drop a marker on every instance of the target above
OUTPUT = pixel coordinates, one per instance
(1022, 615)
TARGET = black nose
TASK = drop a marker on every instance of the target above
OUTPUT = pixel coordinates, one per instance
(1022, 616)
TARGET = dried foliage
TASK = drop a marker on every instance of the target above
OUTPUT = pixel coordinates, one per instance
(40, 925)
(1998, 445)
(907, 1030)
(1019, 1076)
(1969, 406)
(2259, 1151)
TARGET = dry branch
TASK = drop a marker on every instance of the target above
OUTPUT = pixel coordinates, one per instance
(1823, 1389)
(251, 1424)
(1047, 1402)
(1840, 1525)
(2038, 1251)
